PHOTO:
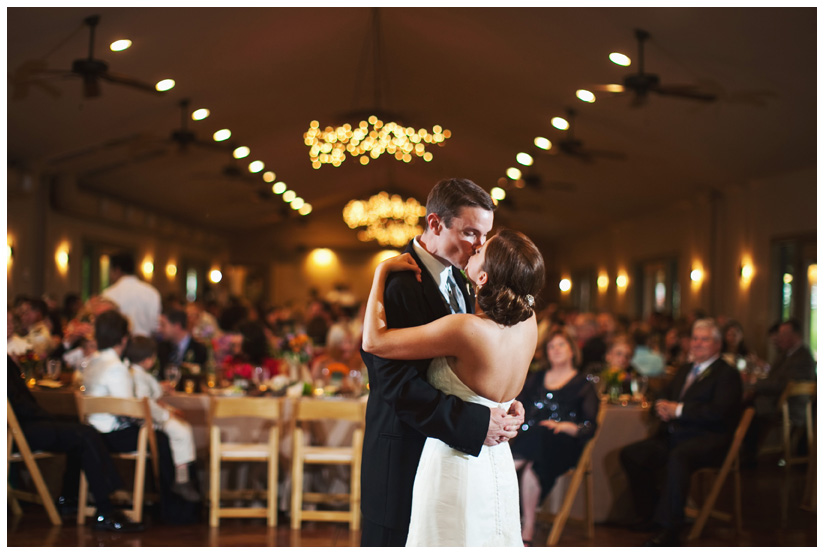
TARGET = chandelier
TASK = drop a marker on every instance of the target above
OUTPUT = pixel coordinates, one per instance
(369, 140)
(387, 219)
(377, 134)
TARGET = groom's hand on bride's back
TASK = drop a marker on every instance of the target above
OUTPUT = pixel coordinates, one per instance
(504, 425)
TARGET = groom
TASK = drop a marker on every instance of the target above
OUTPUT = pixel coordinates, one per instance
(403, 408)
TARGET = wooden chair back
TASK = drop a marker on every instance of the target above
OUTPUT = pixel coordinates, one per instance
(266, 408)
(582, 472)
(730, 464)
(306, 412)
(25, 455)
(146, 448)
(797, 389)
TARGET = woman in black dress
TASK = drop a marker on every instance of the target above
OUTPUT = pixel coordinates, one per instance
(560, 406)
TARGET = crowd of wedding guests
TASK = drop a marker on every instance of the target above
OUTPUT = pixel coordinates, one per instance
(119, 342)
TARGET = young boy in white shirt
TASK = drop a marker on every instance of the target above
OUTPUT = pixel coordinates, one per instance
(142, 354)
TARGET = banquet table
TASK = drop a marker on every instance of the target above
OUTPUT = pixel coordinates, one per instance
(611, 498)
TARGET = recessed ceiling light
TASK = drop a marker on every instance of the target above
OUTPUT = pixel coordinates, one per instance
(240, 152)
(619, 59)
(222, 135)
(200, 113)
(120, 45)
(513, 173)
(559, 123)
(305, 209)
(296, 203)
(279, 188)
(165, 85)
(524, 159)
(256, 166)
(542, 143)
(289, 196)
(498, 193)
(269, 177)
(585, 96)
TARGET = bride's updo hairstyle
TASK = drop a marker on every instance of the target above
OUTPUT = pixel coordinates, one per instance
(515, 275)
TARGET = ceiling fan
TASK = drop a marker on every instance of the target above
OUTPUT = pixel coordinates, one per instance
(571, 146)
(184, 137)
(640, 84)
(91, 70)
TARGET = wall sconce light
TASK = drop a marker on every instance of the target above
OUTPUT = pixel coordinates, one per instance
(9, 254)
(321, 257)
(812, 274)
(746, 272)
(148, 268)
(602, 282)
(61, 258)
(696, 275)
(621, 281)
(565, 285)
(171, 270)
(215, 276)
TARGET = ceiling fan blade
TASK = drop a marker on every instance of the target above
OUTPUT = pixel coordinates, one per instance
(685, 91)
(608, 154)
(119, 79)
(611, 88)
(91, 86)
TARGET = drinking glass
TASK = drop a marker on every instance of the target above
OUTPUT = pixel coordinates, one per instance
(258, 376)
(173, 375)
(53, 369)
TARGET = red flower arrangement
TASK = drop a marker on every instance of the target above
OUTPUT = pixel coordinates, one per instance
(238, 367)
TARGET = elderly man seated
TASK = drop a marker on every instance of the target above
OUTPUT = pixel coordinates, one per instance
(698, 411)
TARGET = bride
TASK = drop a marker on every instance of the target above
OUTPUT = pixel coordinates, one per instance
(460, 500)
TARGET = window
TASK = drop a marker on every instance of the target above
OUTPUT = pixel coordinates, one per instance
(793, 284)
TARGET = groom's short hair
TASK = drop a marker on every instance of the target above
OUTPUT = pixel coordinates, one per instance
(451, 195)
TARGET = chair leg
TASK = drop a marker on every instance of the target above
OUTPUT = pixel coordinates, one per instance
(588, 507)
(214, 483)
(82, 499)
(737, 499)
(137, 495)
(708, 503)
(272, 492)
(567, 506)
(297, 479)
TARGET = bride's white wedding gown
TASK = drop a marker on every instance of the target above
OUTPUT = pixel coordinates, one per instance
(458, 499)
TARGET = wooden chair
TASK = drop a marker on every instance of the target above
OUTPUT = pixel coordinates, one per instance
(267, 408)
(29, 458)
(308, 411)
(581, 473)
(730, 464)
(797, 389)
(146, 448)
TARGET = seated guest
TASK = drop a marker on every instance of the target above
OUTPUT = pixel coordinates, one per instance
(340, 352)
(698, 410)
(252, 351)
(677, 346)
(795, 363)
(38, 334)
(647, 361)
(561, 406)
(141, 353)
(592, 343)
(107, 376)
(84, 449)
(617, 362)
(15, 344)
(202, 325)
(178, 346)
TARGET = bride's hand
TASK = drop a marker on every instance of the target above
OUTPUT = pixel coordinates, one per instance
(401, 263)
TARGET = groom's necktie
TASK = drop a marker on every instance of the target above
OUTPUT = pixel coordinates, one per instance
(453, 294)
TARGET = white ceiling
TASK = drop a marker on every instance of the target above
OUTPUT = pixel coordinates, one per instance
(493, 76)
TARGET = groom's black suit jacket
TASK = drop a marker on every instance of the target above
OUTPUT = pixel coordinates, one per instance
(404, 409)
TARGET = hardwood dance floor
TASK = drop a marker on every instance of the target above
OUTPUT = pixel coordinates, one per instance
(771, 508)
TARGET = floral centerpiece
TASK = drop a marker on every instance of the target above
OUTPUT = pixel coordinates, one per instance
(239, 370)
(297, 350)
(29, 362)
(614, 381)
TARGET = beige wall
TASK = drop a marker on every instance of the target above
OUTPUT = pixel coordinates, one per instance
(747, 218)
(43, 216)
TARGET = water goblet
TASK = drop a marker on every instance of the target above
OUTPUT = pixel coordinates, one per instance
(173, 375)
(53, 369)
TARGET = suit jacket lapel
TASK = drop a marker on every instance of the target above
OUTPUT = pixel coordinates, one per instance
(432, 294)
(466, 290)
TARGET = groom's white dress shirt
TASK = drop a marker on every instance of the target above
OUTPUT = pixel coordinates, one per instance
(441, 273)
